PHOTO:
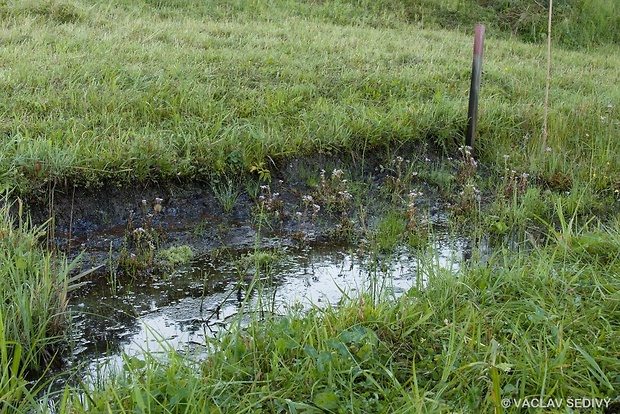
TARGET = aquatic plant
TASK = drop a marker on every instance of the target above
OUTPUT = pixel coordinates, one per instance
(401, 173)
(467, 166)
(174, 256)
(469, 199)
(334, 192)
(269, 204)
(412, 214)
(306, 217)
(141, 241)
(389, 232)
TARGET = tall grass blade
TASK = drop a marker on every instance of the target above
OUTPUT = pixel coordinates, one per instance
(594, 367)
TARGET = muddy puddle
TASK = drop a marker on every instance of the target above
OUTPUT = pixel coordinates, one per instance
(115, 317)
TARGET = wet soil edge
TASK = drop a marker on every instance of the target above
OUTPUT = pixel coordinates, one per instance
(96, 221)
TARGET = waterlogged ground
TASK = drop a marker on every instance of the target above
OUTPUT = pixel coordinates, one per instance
(115, 317)
(274, 242)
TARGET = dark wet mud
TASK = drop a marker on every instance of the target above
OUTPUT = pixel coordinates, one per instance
(134, 302)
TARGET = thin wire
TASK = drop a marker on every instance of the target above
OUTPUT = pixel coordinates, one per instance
(546, 113)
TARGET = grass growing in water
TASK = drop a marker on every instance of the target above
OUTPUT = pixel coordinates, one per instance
(33, 304)
(226, 194)
(524, 325)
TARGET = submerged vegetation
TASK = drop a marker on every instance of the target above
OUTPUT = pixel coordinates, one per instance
(113, 92)
(541, 325)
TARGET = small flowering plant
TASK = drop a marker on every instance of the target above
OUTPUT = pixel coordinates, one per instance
(469, 199)
(333, 192)
(412, 211)
(270, 202)
(142, 238)
(467, 166)
(310, 205)
(400, 176)
(515, 184)
(309, 208)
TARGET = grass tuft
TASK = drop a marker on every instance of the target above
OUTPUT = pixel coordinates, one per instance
(33, 304)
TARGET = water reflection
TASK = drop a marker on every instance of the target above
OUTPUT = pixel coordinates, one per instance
(201, 299)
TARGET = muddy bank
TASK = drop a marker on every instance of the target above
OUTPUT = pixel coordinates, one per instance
(298, 204)
(315, 219)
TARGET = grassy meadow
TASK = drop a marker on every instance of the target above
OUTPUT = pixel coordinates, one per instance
(109, 92)
(100, 93)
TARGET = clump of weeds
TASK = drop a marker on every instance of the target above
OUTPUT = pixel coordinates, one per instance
(306, 217)
(468, 200)
(333, 192)
(514, 184)
(413, 217)
(262, 172)
(388, 232)
(261, 260)
(252, 187)
(401, 174)
(226, 193)
(344, 230)
(141, 240)
(417, 224)
(467, 165)
(269, 204)
(34, 315)
(515, 204)
(174, 256)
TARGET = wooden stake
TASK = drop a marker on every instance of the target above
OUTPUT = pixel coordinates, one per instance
(474, 91)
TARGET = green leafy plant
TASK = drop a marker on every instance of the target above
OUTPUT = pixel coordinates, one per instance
(226, 193)
(261, 170)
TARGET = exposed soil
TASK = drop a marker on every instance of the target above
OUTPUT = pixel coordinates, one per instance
(99, 222)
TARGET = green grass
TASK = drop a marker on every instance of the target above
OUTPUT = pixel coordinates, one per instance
(33, 305)
(525, 325)
(100, 92)
(226, 193)
(121, 91)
